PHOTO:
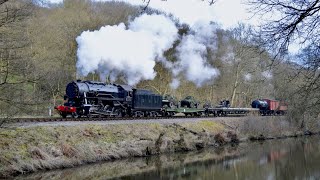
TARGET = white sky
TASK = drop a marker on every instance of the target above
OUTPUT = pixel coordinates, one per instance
(225, 12)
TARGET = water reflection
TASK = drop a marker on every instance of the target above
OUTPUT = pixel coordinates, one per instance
(276, 159)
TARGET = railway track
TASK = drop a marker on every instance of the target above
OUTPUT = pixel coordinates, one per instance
(58, 119)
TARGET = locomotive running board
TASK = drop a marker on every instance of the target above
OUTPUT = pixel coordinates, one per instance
(102, 113)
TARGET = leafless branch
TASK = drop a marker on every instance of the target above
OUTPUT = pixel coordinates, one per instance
(295, 20)
(211, 2)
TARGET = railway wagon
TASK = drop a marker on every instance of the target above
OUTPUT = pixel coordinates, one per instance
(225, 109)
(230, 111)
(187, 106)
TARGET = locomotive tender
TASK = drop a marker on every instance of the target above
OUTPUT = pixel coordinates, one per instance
(91, 98)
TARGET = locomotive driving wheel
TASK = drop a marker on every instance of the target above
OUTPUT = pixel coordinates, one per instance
(75, 115)
(118, 113)
(64, 115)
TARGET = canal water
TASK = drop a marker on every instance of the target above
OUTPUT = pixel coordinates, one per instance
(274, 159)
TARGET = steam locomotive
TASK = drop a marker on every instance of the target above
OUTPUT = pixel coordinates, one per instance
(91, 98)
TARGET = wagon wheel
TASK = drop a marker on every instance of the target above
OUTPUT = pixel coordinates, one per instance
(154, 114)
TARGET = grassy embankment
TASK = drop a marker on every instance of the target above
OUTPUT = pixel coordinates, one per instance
(51, 147)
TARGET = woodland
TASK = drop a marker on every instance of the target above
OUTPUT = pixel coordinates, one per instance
(38, 56)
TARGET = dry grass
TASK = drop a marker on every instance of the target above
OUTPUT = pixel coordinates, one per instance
(271, 127)
(37, 148)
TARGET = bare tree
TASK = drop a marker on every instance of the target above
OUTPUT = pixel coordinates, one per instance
(309, 90)
(296, 22)
(14, 65)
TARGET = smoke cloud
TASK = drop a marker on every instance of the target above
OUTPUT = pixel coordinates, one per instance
(192, 55)
(130, 51)
(267, 74)
(248, 77)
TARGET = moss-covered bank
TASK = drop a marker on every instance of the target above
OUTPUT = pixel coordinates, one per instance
(51, 147)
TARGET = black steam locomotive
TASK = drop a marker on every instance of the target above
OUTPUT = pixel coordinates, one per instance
(90, 98)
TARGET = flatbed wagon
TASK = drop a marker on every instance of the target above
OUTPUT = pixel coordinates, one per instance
(216, 111)
(224, 111)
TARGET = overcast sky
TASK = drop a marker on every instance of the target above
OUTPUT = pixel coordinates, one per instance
(226, 12)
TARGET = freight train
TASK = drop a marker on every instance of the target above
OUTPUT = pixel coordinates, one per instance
(97, 99)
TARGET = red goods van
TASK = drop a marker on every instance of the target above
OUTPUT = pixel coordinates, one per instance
(273, 104)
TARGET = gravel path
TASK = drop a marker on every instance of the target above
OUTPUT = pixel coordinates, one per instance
(162, 121)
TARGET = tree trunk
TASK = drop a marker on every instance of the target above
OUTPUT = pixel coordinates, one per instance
(235, 85)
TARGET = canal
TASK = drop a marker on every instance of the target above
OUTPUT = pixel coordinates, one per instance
(296, 158)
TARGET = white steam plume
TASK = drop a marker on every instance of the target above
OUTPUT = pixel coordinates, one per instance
(248, 77)
(132, 51)
(192, 55)
(267, 74)
(175, 83)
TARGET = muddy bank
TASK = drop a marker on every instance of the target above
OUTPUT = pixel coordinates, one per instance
(31, 149)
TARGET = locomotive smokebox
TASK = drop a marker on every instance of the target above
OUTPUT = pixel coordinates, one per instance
(74, 89)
